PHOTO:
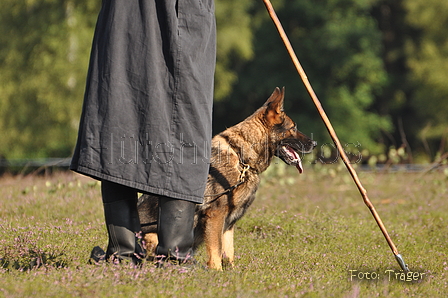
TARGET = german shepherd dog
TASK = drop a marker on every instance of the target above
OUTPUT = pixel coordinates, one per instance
(239, 155)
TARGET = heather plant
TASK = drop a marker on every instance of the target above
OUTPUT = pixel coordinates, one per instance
(306, 235)
(24, 253)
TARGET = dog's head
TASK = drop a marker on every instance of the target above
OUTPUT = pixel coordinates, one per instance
(289, 141)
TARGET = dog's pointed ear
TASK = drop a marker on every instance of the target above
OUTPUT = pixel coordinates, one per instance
(274, 106)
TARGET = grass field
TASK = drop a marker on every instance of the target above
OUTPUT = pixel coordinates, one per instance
(306, 235)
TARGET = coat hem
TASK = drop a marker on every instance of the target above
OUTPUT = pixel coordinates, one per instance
(138, 186)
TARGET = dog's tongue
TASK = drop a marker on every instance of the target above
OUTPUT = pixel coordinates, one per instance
(299, 166)
(296, 159)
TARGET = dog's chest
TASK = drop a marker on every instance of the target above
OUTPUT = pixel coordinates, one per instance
(240, 199)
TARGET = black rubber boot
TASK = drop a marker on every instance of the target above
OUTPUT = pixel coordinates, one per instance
(175, 231)
(123, 224)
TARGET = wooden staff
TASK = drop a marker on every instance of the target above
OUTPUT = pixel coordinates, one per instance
(332, 132)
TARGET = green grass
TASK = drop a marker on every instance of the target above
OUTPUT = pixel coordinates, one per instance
(303, 237)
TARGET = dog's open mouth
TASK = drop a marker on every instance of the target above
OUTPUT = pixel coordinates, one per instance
(291, 157)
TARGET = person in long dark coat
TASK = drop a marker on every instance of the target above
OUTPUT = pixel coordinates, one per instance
(146, 118)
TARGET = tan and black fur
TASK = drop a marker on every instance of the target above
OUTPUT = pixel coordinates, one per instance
(239, 155)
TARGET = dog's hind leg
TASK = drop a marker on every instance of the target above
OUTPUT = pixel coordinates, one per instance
(227, 245)
(213, 235)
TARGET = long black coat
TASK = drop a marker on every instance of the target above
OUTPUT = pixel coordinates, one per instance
(146, 118)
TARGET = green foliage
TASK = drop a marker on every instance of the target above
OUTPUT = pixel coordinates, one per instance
(234, 42)
(44, 50)
(378, 67)
(339, 47)
(429, 64)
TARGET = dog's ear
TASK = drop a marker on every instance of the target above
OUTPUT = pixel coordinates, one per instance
(274, 106)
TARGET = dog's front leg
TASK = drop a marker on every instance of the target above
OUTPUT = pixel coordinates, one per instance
(213, 234)
(227, 245)
(151, 242)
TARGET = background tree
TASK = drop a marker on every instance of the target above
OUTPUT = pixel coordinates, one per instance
(339, 46)
(427, 54)
(415, 56)
(44, 48)
(234, 42)
(378, 66)
(44, 52)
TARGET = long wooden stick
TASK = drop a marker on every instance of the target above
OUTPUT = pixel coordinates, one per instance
(332, 132)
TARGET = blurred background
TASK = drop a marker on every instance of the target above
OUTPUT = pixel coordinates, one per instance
(378, 67)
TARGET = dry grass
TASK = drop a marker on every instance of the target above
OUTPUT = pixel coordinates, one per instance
(304, 236)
